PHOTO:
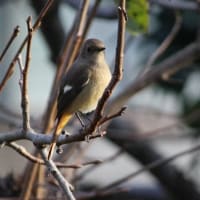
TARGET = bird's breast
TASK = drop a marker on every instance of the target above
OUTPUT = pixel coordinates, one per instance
(88, 98)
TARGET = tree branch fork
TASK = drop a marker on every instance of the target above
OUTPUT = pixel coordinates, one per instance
(39, 138)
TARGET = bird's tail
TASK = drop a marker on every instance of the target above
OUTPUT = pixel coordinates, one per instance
(59, 127)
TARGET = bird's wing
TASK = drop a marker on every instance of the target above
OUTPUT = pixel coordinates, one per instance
(74, 82)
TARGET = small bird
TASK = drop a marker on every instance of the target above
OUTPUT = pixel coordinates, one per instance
(83, 85)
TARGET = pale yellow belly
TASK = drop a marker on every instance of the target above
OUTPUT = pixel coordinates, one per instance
(88, 99)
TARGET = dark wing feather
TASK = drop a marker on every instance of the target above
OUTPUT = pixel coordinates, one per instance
(77, 78)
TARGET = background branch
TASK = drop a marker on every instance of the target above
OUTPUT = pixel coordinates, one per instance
(166, 42)
(169, 66)
(10, 41)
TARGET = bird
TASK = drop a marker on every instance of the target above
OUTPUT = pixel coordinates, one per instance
(82, 86)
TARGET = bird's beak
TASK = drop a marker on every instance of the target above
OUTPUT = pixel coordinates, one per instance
(101, 48)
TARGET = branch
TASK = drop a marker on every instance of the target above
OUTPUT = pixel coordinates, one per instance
(157, 163)
(169, 66)
(24, 95)
(68, 43)
(23, 152)
(79, 30)
(166, 43)
(116, 114)
(105, 12)
(78, 34)
(118, 71)
(40, 138)
(91, 15)
(66, 187)
(51, 27)
(10, 41)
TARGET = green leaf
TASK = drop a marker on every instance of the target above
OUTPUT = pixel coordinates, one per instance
(138, 16)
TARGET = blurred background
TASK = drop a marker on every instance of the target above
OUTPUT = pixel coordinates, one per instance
(160, 120)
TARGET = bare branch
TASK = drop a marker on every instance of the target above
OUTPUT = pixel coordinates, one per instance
(91, 16)
(8, 74)
(109, 117)
(68, 42)
(23, 152)
(66, 187)
(10, 41)
(24, 95)
(117, 75)
(166, 43)
(41, 138)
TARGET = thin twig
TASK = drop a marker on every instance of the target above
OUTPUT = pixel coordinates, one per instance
(23, 152)
(109, 117)
(25, 98)
(68, 42)
(83, 30)
(166, 43)
(10, 41)
(66, 187)
(78, 34)
(6, 77)
(90, 18)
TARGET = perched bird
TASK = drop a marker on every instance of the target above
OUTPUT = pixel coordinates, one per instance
(83, 85)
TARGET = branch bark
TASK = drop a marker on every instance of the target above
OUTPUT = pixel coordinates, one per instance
(66, 187)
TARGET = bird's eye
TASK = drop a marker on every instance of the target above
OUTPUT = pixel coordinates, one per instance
(89, 49)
